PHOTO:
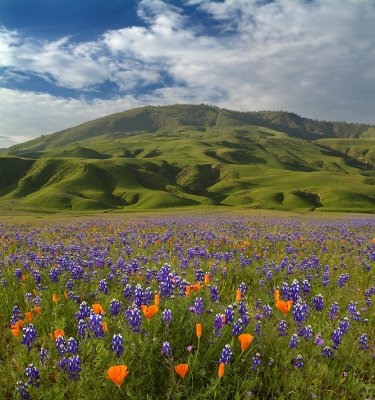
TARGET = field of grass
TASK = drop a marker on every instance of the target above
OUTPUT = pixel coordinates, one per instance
(83, 295)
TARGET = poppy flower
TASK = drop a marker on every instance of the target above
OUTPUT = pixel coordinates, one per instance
(182, 369)
(18, 325)
(117, 374)
(55, 299)
(29, 316)
(196, 287)
(207, 279)
(198, 330)
(283, 306)
(37, 310)
(276, 294)
(221, 370)
(105, 326)
(157, 299)
(98, 309)
(56, 333)
(238, 295)
(187, 290)
(245, 340)
(15, 332)
(149, 312)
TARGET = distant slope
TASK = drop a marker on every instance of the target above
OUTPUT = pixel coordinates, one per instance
(202, 156)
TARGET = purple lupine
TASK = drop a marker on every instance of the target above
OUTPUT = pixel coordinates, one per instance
(61, 345)
(306, 332)
(214, 291)
(237, 328)
(72, 346)
(226, 355)
(325, 279)
(334, 311)
(115, 306)
(319, 341)
(32, 373)
(198, 305)
(282, 328)
(258, 328)
(71, 366)
(267, 311)
(166, 349)
(318, 302)
(336, 336)
(117, 344)
(22, 390)
(298, 363)
(300, 312)
(306, 287)
(103, 286)
(29, 336)
(81, 328)
(43, 355)
(294, 341)
(256, 362)
(363, 341)
(218, 325)
(134, 319)
(343, 279)
(139, 296)
(344, 324)
(166, 316)
(327, 352)
(294, 290)
(242, 286)
(84, 311)
(95, 325)
(229, 314)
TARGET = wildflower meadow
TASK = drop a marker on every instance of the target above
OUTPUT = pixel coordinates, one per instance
(200, 307)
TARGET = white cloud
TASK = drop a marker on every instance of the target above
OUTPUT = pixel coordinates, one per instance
(315, 58)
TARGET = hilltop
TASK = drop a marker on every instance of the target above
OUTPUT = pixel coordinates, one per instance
(194, 155)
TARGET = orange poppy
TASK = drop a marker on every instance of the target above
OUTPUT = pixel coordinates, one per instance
(187, 290)
(55, 298)
(149, 312)
(15, 332)
(29, 316)
(196, 287)
(37, 310)
(245, 340)
(238, 295)
(105, 326)
(98, 309)
(117, 374)
(198, 330)
(276, 294)
(18, 325)
(221, 370)
(157, 299)
(182, 369)
(283, 306)
(23, 277)
(66, 295)
(207, 279)
(56, 333)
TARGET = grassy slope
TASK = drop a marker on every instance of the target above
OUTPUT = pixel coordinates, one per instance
(192, 156)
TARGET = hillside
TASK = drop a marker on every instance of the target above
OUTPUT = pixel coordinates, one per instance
(184, 155)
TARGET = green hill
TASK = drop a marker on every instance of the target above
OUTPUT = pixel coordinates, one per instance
(194, 155)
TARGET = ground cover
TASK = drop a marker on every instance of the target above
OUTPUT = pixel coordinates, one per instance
(225, 306)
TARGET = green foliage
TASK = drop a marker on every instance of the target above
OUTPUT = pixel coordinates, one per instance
(184, 155)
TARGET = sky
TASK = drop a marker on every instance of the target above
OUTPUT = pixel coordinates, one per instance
(64, 62)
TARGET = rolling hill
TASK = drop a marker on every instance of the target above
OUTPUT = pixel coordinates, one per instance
(194, 155)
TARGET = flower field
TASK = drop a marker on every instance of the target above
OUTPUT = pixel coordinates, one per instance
(188, 308)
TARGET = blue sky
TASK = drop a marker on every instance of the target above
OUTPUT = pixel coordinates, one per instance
(64, 62)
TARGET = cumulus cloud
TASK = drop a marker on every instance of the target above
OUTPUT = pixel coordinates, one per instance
(315, 58)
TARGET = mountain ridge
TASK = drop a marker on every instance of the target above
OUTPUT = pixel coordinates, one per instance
(194, 155)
